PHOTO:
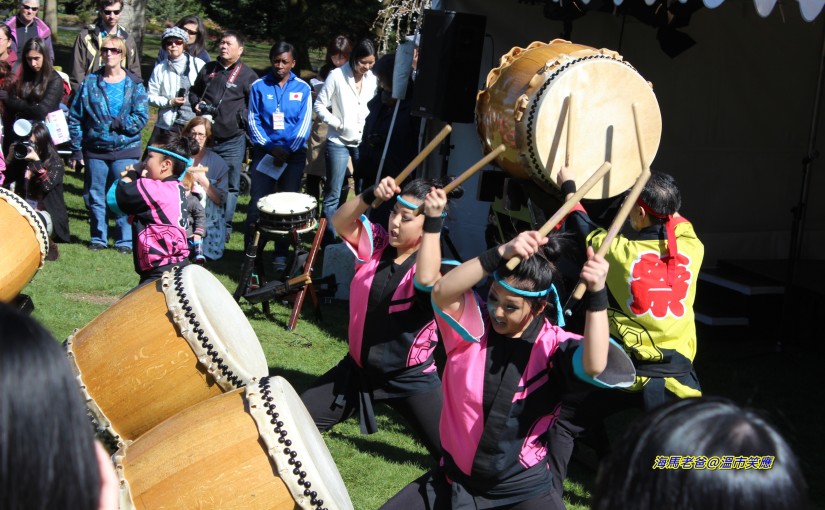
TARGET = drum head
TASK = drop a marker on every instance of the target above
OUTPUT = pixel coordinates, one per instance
(215, 327)
(33, 219)
(295, 436)
(603, 128)
(287, 204)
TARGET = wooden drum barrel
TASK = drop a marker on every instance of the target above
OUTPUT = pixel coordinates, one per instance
(24, 243)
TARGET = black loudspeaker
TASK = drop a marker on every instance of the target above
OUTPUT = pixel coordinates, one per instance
(449, 60)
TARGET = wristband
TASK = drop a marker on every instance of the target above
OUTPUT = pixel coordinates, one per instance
(433, 224)
(597, 301)
(490, 260)
(568, 186)
(368, 195)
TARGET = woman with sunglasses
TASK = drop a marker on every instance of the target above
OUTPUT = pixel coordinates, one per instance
(196, 41)
(170, 82)
(105, 120)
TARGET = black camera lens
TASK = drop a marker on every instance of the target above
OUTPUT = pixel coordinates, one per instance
(21, 150)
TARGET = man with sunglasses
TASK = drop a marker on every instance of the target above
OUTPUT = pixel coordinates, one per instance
(26, 25)
(87, 45)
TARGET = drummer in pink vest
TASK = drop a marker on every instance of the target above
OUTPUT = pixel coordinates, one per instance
(156, 203)
(392, 334)
(280, 117)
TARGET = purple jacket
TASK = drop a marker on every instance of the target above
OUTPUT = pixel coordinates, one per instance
(43, 32)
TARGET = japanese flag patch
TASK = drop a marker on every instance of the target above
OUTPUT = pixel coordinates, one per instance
(296, 96)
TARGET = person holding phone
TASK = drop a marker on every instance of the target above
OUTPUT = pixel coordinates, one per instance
(170, 82)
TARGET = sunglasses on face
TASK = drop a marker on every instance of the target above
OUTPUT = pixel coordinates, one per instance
(191, 32)
(30, 8)
(116, 51)
(112, 12)
(173, 42)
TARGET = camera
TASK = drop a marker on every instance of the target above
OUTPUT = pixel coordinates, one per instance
(21, 149)
(181, 92)
(207, 109)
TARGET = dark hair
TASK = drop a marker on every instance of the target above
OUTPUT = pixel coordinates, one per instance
(32, 84)
(198, 46)
(364, 48)
(383, 69)
(236, 34)
(662, 194)
(43, 144)
(47, 451)
(281, 47)
(102, 4)
(704, 427)
(182, 145)
(7, 31)
(6, 78)
(338, 45)
(419, 188)
(538, 272)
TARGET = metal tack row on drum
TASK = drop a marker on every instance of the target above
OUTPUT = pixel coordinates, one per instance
(163, 371)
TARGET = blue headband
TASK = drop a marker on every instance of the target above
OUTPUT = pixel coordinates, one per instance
(532, 294)
(410, 205)
(186, 161)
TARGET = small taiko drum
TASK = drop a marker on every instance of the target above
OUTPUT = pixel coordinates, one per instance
(162, 348)
(524, 106)
(24, 244)
(281, 213)
(256, 448)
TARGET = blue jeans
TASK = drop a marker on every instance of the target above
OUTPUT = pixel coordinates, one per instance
(263, 185)
(99, 176)
(232, 150)
(337, 157)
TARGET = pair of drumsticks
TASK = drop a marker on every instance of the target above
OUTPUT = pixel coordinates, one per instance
(568, 205)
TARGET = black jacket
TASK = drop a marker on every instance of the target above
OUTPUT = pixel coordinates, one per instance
(212, 87)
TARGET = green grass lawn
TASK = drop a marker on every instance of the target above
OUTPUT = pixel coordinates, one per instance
(70, 292)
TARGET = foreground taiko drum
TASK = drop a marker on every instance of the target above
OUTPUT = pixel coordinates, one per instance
(281, 213)
(162, 348)
(255, 448)
(24, 243)
(524, 106)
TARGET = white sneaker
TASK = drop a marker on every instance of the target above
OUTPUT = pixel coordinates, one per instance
(279, 264)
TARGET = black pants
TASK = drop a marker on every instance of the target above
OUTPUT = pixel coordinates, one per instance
(432, 492)
(421, 411)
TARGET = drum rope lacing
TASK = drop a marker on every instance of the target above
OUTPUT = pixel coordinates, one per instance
(44, 235)
(196, 325)
(288, 450)
(537, 166)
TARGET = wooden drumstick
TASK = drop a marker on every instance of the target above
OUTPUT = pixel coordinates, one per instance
(568, 142)
(554, 220)
(620, 218)
(467, 174)
(418, 159)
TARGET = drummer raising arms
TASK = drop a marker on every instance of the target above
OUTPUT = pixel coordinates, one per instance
(392, 334)
(652, 286)
(280, 116)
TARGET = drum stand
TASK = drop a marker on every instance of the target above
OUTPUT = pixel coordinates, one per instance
(269, 291)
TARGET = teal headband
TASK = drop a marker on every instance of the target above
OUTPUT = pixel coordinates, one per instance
(187, 161)
(533, 294)
(410, 205)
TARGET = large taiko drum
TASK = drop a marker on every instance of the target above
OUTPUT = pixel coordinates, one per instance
(162, 348)
(24, 243)
(280, 213)
(524, 107)
(255, 448)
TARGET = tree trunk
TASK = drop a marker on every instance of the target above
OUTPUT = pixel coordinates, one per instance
(50, 17)
(134, 20)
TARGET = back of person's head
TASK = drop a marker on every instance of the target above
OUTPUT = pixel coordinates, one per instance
(183, 146)
(538, 273)
(632, 478)
(239, 37)
(47, 452)
(364, 48)
(281, 47)
(661, 193)
(383, 70)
